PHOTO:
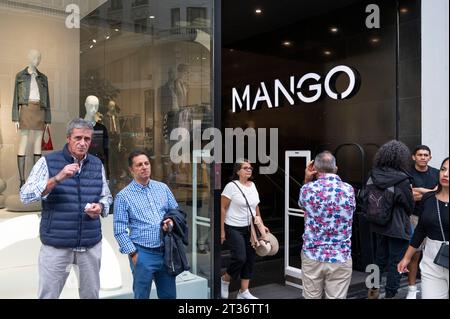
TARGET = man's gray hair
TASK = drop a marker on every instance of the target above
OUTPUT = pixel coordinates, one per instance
(325, 162)
(78, 123)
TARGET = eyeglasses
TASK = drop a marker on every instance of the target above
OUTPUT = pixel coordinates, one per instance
(248, 168)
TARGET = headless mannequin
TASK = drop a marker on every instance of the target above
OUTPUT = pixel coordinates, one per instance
(182, 171)
(169, 109)
(112, 114)
(119, 168)
(113, 125)
(34, 59)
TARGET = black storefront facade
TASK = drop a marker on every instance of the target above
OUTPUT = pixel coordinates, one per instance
(344, 76)
(290, 40)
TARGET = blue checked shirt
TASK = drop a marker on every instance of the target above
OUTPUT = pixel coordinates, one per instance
(36, 183)
(138, 213)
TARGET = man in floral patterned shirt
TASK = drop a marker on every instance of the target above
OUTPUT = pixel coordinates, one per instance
(326, 254)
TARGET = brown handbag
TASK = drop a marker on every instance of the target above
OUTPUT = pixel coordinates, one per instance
(265, 244)
(47, 145)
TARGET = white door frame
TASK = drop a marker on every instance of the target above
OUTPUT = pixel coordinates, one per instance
(197, 156)
(291, 211)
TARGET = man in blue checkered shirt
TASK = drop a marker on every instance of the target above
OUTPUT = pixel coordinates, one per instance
(138, 214)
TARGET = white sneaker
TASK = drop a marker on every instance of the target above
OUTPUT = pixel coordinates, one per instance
(245, 295)
(224, 288)
(412, 292)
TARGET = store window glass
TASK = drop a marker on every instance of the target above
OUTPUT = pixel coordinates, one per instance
(175, 20)
(197, 17)
(140, 3)
(150, 67)
(116, 5)
(148, 81)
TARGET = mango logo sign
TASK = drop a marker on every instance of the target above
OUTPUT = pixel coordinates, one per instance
(294, 89)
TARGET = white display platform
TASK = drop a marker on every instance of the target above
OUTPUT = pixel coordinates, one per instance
(19, 251)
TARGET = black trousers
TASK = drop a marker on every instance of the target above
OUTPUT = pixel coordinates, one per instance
(242, 253)
(389, 252)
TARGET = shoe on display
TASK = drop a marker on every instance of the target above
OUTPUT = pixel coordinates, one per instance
(224, 288)
(412, 292)
(245, 295)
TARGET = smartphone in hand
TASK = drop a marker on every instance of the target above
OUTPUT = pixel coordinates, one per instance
(310, 172)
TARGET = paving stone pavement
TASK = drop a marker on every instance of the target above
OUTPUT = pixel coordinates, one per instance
(401, 294)
(356, 291)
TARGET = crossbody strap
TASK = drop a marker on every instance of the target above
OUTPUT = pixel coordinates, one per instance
(440, 222)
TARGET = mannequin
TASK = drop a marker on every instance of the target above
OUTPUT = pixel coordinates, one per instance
(169, 107)
(181, 87)
(111, 118)
(31, 109)
(168, 98)
(99, 144)
(118, 158)
(184, 117)
(169, 111)
(112, 123)
(91, 105)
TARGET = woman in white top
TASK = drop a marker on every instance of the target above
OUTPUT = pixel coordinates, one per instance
(235, 228)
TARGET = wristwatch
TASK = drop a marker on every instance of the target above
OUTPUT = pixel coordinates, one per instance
(132, 254)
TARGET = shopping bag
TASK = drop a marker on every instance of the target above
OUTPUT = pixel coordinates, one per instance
(47, 145)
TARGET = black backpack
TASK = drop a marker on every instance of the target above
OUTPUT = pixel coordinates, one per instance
(378, 203)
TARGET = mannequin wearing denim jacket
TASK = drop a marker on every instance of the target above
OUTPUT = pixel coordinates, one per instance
(22, 91)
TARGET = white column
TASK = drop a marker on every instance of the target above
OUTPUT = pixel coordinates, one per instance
(435, 132)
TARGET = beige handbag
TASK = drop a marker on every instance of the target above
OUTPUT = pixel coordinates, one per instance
(264, 243)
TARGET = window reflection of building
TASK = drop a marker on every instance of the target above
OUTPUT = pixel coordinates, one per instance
(140, 25)
(116, 4)
(175, 17)
(197, 17)
(137, 3)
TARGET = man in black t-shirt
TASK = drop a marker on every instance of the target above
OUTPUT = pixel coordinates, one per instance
(425, 179)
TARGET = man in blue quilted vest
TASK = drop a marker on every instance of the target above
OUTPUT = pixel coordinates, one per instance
(72, 187)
